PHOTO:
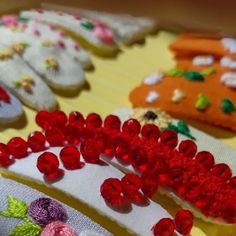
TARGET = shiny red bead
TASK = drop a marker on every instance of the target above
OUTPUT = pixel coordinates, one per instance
(188, 148)
(165, 227)
(76, 119)
(4, 95)
(58, 119)
(121, 149)
(206, 159)
(150, 131)
(72, 134)
(93, 120)
(55, 136)
(18, 147)
(232, 181)
(169, 138)
(112, 122)
(131, 183)
(43, 119)
(36, 141)
(103, 143)
(131, 127)
(149, 186)
(184, 221)
(222, 171)
(70, 157)
(90, 151)
(5, 159)
(111, 191)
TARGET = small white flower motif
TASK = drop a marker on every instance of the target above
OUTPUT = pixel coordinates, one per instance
(229, 44)
(229, 79)
(178, 96)
(228, 62)
(89, 233)
(203, 60)
(154, 78)
(152, 96)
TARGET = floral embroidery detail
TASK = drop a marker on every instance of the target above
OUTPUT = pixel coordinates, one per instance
(178, 96)
(9, 20)
(51, 63)
(228, 106)
(6, 54)
(19, 47)
(45, 210)
(203, 60)
(228, 62)
(202, 102)
(152, 96)
(103, 33)
(152, 116)
(58, 228)
(154, 78)
(26, 82)
(229, 79)
(18, 209)
(4, 95)
(48, 43)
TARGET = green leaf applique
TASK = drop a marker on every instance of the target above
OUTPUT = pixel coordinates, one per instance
(28, 229)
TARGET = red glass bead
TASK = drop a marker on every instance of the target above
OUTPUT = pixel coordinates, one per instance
(188, 148)
(149, 186)
(131, 183)
(43, 119)
(169, 138)
(5, 159)
(36, 141)
(121, 149)
(111, 191)
(232, 181)
(72, 134)
(76, 119)
(103, 143)
(70, 157)
(47, 163)
(229, 212)
(90, 152)
(112, 122)
(184, 221)
(206, 159)
(150, 131)
(4, 95)
(165, 227)
(222, 171)
(131, 127)
(58, 119)
(54, 136)
(93, 120)
(54, 176)
(18, 147)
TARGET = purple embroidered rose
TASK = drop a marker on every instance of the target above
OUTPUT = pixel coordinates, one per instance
(45, 210)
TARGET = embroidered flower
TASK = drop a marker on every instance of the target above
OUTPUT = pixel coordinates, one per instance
(154, 78)
(45, 210)
(6, 54)
(152, 96)
(228, 62)
(19, 47)
(51, 63)
(26, 82)
(57, 228)
(203, 60)
(9, 20)
(178, 96)
(48, 43)
(229, 79)
(152, 115)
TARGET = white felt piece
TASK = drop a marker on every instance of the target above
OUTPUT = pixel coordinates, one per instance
(84, 184)
(69, 75)
(154, 78)
(222, 152)
(203, 60)
(46, 32)
(152, 96)
(69, 22)
(127, 28)
(11, 111)
(41, 96)
(229, 44)
(229, 79)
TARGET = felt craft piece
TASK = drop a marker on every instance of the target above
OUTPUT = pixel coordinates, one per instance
(84, 185)
(127, 29)
(93, 34)
(10, 107)
(53, 63)
(24, 194)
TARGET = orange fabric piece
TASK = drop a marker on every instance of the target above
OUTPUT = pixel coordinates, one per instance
(211, 87)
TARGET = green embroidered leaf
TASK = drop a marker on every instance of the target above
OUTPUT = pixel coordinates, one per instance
(208, 71)
(16, 207)
(16, 83)
(28, 229)
(175, 72)
(227, 106)
(194, 76)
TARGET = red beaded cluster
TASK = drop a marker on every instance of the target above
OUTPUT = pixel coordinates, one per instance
(4, 95)
(183, 223)
(155, 156)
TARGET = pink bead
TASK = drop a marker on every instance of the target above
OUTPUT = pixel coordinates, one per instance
(104, 34)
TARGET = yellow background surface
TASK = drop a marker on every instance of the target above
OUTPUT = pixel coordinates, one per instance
(107, 89)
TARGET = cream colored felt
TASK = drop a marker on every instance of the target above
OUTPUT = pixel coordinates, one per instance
(84, 184)
(128, 29)
(46, 31)
(41, 96)
(69, 22)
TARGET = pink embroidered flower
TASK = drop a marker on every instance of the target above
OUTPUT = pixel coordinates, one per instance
(102, 32)
(58, 228)
(10, 20)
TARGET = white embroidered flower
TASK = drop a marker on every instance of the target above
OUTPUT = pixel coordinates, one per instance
(229, 44)
(154, 78)
(228, 62)
(152, 96)
(203, 60)
(229, 79)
